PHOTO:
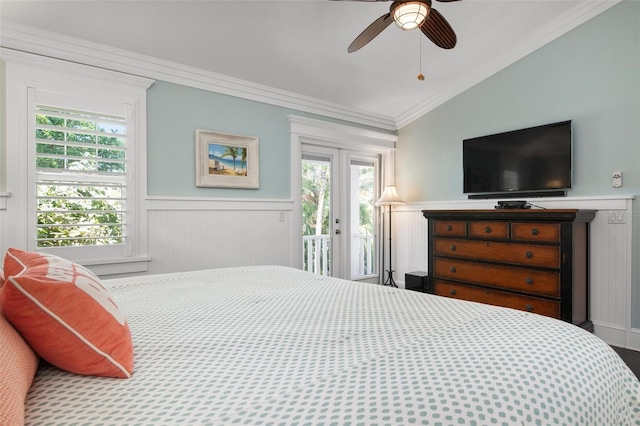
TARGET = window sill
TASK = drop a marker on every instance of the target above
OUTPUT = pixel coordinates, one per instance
(116, 266)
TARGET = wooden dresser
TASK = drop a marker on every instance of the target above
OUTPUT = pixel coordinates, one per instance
(529, 259)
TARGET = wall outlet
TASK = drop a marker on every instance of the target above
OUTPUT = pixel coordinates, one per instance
(617, 179)
(616, 216)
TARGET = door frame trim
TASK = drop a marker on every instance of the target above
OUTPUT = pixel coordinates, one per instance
(304, 130)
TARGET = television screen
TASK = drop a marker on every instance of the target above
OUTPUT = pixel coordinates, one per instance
(526, 160)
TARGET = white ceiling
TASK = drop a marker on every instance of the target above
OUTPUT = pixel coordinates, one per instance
(300, 47)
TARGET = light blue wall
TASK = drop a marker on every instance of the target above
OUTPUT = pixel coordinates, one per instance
(590, 75)
(173, 114)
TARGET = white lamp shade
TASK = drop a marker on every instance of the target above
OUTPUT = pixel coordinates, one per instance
(410, 15)
(389, 197)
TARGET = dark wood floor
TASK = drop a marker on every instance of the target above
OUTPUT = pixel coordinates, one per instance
(631, 358)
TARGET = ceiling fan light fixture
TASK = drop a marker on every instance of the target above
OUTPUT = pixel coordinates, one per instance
(410, 15)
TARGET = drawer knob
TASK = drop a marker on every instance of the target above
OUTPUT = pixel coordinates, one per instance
(535, 231)
(529, 280)
(487, 229)
(529, 308)
(529, 255)
(453, 247)
(453, 269)
(453, 292)
(449, 228)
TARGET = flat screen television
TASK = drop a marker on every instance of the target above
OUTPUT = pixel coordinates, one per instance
(527, 162)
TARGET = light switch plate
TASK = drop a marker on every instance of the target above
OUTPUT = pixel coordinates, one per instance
(617, 179)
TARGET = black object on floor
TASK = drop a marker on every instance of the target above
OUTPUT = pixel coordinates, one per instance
(631, 358)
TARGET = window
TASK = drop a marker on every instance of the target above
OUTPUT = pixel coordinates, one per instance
(83, 200)
(81, 180)
(76, 162)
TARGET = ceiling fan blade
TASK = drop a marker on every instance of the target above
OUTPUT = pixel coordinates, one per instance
(370, 32)
(438, 30)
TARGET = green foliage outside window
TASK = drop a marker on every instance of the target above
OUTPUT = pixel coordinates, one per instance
(316, 193)
(75, 215)
(315, 198)
(367, 201)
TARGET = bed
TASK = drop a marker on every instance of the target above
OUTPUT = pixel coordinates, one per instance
(275, 345)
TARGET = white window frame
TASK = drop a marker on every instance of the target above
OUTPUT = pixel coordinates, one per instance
(27, 75)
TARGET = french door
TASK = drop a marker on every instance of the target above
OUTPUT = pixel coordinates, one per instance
(340, 223)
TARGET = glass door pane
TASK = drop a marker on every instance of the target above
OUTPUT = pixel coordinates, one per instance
(364, 252)
(316, 218)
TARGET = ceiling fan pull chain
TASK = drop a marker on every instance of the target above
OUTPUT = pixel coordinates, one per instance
(420, 75)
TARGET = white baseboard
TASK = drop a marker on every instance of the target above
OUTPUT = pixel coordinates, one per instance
(633, 339)
(612, 334)
(616, 335)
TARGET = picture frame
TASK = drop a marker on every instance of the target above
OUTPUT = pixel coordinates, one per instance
(225, 160)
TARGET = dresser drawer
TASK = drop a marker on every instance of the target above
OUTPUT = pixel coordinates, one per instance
(542, 283)
(545, 232)
(548, 308)
(451, 228)
(514, 253)
(492, 230)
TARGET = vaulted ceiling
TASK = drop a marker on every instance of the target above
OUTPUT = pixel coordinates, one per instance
(298, 49)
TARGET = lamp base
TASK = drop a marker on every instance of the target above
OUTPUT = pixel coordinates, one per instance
(390, 282)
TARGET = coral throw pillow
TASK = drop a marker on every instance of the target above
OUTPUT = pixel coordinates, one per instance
(65, 314)
(18, 365)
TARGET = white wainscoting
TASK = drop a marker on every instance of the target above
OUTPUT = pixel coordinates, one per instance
(191, 233)
(610, 256)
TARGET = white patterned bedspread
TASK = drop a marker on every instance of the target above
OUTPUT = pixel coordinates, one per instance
(274, 345)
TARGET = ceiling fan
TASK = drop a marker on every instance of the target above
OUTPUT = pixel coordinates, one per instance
(409, 15)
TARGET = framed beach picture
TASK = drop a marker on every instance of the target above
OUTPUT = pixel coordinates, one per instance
(224, 160)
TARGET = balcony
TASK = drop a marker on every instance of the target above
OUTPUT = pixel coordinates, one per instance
(316, 254)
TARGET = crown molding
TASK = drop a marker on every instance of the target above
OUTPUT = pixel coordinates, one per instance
(39, 62)
(580, 14)
(45, 43)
